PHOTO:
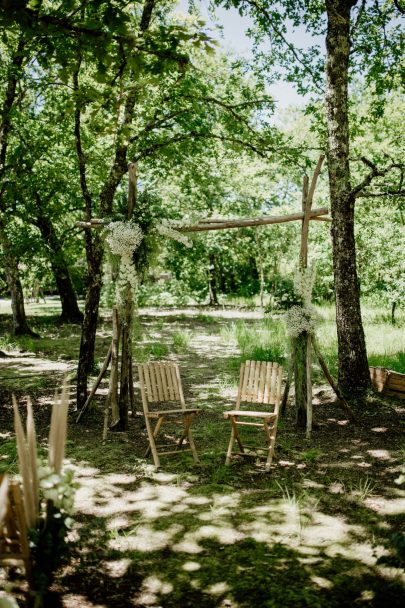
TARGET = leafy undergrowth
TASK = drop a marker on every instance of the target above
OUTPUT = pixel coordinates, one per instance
(312, 532)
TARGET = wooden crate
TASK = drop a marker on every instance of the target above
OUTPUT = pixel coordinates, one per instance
(388, 382)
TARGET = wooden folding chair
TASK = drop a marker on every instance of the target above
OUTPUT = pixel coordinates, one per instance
(14, 546)
(260, 383)
(160, 383)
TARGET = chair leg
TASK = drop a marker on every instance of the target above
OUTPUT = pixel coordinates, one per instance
(152, 443)
(271, 438)
(191, 440)
(234, 436)
(188, 420)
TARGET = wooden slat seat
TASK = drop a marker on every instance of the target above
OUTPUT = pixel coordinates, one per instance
(157, 413)
(259, 383)
(160, 383)
(249, 413)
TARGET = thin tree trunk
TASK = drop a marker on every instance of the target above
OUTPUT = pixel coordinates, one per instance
(94, 246)
(70, 309)
(300, 346)
(20, 325)
(89, 327)
(354, 375)
(212, 281)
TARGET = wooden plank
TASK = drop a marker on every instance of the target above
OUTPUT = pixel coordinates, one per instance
(153, 382)
(148, 387)
(162, 371)
(395, 384)
(249, 388)
(255, 390)
(273, 384)
(262, 382)
(175, 384)
(159, 384)
(180, 387)
(395, 394)
(267, 393)
(169, 378)
(243, 383)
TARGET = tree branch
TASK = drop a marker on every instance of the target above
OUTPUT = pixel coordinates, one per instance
(260, 9)
(375, 172)
(79, 148)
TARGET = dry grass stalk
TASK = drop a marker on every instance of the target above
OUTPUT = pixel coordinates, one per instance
(58, 430)
(32, 451)
(4, 485)
(26, 470)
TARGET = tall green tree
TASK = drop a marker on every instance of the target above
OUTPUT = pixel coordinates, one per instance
(363, 38)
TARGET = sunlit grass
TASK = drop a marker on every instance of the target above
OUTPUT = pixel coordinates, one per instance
(181, 340)
(262, 341)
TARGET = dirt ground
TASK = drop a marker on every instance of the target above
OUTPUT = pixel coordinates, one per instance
(309, 533)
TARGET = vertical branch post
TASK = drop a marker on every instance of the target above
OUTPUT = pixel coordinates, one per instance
(126, 392)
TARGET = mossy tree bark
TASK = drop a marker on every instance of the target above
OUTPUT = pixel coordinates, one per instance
(20, 324)
(94, 245)
(70, 309)
(354, 374)
(300, 348)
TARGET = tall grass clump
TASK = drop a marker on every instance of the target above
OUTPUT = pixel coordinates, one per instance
(48, 494)
(262, 341)
(181, 340)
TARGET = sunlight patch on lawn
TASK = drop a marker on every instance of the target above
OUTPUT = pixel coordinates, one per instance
(384, 506)
(145, 539)
(116, 568)
(151, 588)
(380, 454)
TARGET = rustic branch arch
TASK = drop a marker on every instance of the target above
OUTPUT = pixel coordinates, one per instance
(120, 398)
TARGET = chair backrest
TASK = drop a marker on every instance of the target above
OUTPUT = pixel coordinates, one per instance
(160, 382)
(260, 382)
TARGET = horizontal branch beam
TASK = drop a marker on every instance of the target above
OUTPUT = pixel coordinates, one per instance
(256, 221)
(217, 224)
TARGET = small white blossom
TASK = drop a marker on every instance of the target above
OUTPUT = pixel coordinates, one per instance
(299, 319)
(123, 238)
(168, 228)
(304, 280)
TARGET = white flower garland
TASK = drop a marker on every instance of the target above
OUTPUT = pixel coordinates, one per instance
(300, 319)
(168, 228)
(304, 279)
(123, 238)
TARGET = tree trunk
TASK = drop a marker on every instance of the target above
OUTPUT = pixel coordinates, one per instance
(212, 281)
(70, 309)
(89, 328)
(354, 375)
(20, 325)
(299, 347)
(94, 247)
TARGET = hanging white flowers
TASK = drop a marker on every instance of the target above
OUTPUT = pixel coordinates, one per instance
(123, 238)
(302, 318)
(168, 228)
(304, 279)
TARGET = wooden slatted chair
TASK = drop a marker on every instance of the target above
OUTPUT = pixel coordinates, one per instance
(14, 547)
(160, 383)
(260, 383)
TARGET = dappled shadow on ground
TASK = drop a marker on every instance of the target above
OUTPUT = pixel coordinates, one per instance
(307, 534)
(149, 539)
